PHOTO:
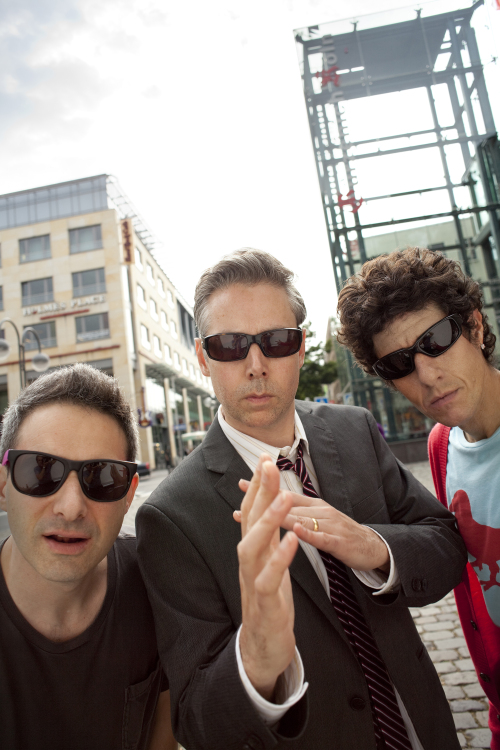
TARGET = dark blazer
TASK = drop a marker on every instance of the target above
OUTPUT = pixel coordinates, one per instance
(187, 542)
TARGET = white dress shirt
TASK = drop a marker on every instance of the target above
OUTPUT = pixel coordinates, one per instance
(250, 450)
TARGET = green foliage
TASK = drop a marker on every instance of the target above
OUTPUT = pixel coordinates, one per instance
(315, 372)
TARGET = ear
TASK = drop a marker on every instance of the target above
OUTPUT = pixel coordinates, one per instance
(4, 475)
(478, 331)
(200, 353)
(131, 492)
(302, 350)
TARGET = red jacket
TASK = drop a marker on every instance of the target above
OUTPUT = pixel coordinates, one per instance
(481, 634)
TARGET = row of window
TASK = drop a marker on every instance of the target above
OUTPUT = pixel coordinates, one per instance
(88, 328)
(39, 291)
(153, 311)
(158, 283)
(181, 365)
(80, 241)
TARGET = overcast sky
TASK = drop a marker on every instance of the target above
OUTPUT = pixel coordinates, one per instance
(196, 107)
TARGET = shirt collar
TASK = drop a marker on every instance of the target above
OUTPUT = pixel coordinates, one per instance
(237, 438)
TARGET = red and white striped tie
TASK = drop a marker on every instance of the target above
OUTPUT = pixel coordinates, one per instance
(387, 720)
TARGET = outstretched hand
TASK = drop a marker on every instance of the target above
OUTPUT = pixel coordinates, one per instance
(356, 545)
(267, 640)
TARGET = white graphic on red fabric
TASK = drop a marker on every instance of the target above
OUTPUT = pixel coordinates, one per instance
(482, 542)
(329, 76)
(351, 200)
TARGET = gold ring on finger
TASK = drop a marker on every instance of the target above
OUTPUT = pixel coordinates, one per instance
(316, 524)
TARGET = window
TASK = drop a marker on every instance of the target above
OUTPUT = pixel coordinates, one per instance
(198, 376)
(191, 371)
(1, 297)
(34, 248)
(177, 361)
(37, 291)
(173, 329)
(170, 298)
(153, 310)
(168, 356)
(184, 366)
(161, 288)
(85, 238)
(92, 327)
(150, 275)
(89, 282)
(141, 297)
(138, 259)
(47, 334)
(164, 320)
(145, 337)
(156, 346)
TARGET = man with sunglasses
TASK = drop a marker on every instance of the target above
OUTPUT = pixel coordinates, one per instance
(240, 621)
(415, 320)
(79, 665)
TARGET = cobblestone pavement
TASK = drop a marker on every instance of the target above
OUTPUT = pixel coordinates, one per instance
(439, 627)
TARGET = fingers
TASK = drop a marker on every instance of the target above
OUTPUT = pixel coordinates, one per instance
(251, 492)
(308, 502)
(319, 539)
(256, 548)
(268, 490)
(270, 578)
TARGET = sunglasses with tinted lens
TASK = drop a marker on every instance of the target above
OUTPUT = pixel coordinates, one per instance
(230, 347)
(42, 474)
(433, 342)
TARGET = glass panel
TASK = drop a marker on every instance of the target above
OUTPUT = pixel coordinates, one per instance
(34, 248)
(85, 238)
(46, 332)
(89, 282)
(92, 327)
(37, 291)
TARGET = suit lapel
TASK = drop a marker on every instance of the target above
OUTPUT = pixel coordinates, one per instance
(325, 458)
(223, 459)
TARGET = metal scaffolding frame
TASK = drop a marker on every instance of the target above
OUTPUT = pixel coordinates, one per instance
(388, 59)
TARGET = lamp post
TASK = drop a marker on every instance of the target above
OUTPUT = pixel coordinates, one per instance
(40, 361)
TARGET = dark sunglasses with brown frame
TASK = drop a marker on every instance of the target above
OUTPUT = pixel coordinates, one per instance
(435, 341)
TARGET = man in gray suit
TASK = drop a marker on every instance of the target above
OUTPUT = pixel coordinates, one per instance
(243, 622)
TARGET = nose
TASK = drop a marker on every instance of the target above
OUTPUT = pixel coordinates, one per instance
(69, 501)
(428, 369)
(256, 363)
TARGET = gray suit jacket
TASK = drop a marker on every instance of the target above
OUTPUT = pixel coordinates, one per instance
(187, 542)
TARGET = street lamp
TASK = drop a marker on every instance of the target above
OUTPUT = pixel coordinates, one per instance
(40, 361)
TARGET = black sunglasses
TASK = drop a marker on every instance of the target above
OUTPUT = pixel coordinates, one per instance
(42, 474)
(433, 342)
(230, 347)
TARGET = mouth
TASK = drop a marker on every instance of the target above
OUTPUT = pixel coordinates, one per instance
(67, 543)
(443, 400)
(259, 398)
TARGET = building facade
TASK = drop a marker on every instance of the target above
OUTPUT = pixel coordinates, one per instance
(79, 265)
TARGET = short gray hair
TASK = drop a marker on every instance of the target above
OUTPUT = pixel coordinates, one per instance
(78, 385)
(246, 266)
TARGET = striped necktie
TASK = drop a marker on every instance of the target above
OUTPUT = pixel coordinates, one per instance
(387, 720)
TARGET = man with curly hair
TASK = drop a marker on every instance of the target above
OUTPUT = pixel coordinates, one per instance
(415, 320)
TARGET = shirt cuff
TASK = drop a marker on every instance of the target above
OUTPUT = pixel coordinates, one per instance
(375, 579)
(292, 689)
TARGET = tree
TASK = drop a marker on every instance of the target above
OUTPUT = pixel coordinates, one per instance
(315, 372)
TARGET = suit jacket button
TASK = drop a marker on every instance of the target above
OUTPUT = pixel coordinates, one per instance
(416, 584)
(484, 677)
(357, 703)
(474, 626)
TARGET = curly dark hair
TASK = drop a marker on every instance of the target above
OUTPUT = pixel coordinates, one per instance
(405, 281)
